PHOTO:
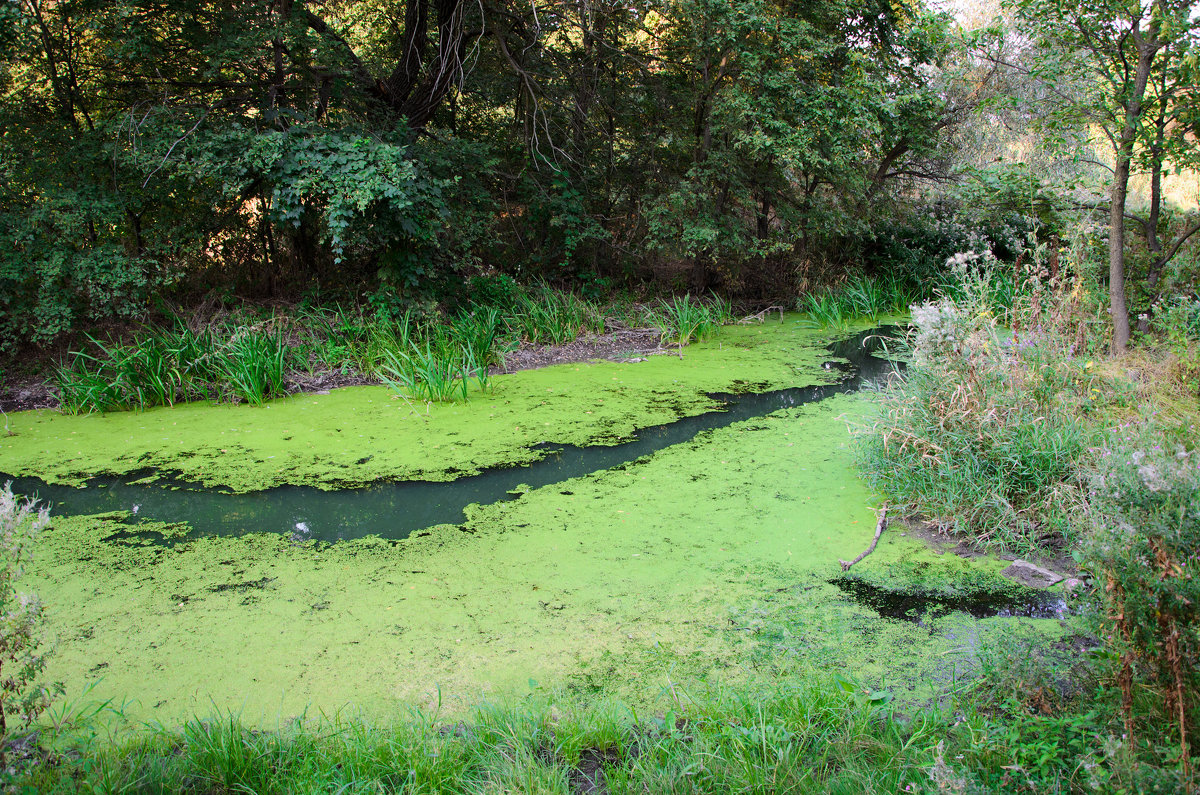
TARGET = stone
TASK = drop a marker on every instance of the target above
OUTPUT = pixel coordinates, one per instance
(1031, 575)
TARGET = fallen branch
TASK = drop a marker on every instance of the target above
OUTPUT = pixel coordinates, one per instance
(761, 317)
(882, 523)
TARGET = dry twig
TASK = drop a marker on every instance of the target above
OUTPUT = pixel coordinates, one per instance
(879, 525)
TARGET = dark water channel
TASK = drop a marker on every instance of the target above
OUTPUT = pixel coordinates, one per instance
(919, 607)
(396, 509)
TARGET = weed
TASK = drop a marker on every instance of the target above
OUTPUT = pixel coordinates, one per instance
(986, 434)
(163, 366)
(553, 316)
(428, 372)
(684, 320)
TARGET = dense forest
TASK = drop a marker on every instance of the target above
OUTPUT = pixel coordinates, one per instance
(386, 151)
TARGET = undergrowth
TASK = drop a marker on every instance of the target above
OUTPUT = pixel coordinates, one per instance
(421, 353)
(1017, 430)
(827, 736)
(162, 366)
(683, 320)
(860, 298)
(988, 430)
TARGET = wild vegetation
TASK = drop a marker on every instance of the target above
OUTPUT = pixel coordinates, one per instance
(214, 201)
(1015, 432)
(23, 697)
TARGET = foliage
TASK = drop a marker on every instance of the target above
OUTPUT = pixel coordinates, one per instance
(22, 656)
(1144, 550)
(1122, 73)
(1177, 319)
(553, 316)
(161, 366)
(684, 320)
(170, 148)
(984, 433)
(806, 736)
(858, 299)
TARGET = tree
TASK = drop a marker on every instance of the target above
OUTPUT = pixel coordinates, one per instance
(1117, 45)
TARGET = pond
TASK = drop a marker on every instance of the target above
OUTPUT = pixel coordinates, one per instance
(671, 530)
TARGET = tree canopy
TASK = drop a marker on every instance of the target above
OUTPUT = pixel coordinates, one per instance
(291, 145)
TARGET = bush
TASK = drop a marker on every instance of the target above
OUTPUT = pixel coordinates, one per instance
(1144, 550)
(984, 432)
(22, 659)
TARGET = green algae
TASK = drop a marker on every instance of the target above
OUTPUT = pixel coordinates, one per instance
(363, 434)
(922, 571)
(706, 561)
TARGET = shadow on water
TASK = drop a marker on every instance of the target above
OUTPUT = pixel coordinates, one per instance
(917, 607)
(397, 509)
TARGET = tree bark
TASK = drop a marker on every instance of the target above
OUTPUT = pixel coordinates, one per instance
(1147, 48)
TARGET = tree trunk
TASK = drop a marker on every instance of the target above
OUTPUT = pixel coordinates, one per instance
(1147, 48)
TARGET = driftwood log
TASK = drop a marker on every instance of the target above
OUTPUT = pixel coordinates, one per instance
(879, 525)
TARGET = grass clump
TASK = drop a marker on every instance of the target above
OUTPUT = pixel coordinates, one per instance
(419, 351)
(860, 298)
(162, 366)
(685, 320)
(553, 317)
(987, 431)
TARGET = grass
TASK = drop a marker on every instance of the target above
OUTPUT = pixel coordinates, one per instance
(543, 315)
(988, 435)
(683, 320)
(162, 366)
(427, 372)
(423, 354)
(859, 298)
(818, 736)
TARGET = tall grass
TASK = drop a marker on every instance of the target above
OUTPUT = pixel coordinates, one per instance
(986, 433)
(859, 298)
(419, 352)
(684, 319)
(553, 316)
(163, 366)
(427, 372)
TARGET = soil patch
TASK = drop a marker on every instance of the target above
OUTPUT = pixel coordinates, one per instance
(623, 345)
(588, 777)
(27, 395)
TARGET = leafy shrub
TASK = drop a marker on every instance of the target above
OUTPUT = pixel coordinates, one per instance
(500, 291)
(982, 433)
(1144, 549)
(21, 655)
